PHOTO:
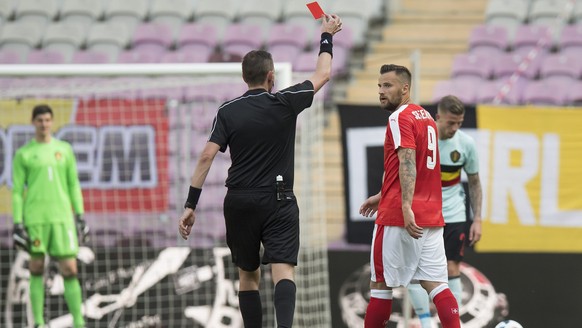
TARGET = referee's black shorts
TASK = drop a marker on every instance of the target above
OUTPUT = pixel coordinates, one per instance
(454, 235)
(256, 216)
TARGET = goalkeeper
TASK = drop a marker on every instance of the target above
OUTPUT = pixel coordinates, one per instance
(45, 188)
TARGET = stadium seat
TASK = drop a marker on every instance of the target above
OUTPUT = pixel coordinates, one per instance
(197, 34)
(82, 12)
(63, 37)
(465, 90)
(577, 13)
(188, 55)
(241, 38)
(142, 56)
(507, 13)
(7, 10)
(530, 36)
(127, 12)
(546, 93)
(510, 63)
(152, 37)
(488, 38)
(470, 65)
(545, 12)
(20, 37)
(109, 38)
(219, 13)
(286, 41)
(10, 57)
(575, 94)
(89, 57)
(45, 57)
(561, 66)
(488, 90)
(571, 38)
(295, 12)
(355, 15)
(261, 13)
(172, 13)
(38, 12)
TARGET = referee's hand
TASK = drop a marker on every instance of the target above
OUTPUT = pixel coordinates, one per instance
(186, 223)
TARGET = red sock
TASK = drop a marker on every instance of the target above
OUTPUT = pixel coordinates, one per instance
(447, 308)
(377, 313)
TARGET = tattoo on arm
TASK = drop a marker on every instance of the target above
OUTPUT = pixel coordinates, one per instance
(475, 193)
(407, 174)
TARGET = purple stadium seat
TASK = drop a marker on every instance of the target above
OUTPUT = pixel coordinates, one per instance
(545, 93)
(45, 57)
(559, 65)
(510, 63)
(284, 52)
(575, 94)
(489, 90)
(571, 38)
(188, 54)
(287, 34)
(197, 34)
(90, 57)
(139, 56)
(240, 38)
(153, 37)
(465, 89)
(487, 37)
(471, 65)
(10, 57)
(344, 39)
(528, 36)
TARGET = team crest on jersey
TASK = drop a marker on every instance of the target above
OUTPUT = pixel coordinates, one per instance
(36, 243)
(58, 156)
(455, 156)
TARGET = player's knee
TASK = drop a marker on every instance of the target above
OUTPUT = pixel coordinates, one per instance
(36, 266)
(378, 285)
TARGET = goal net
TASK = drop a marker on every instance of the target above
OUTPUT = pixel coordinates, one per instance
(137, 131)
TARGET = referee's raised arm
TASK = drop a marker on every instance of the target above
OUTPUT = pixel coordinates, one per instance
(330, 25)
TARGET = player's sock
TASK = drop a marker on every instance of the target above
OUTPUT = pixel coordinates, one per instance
(249, 302)
(37, 298)
(74, 300)
(284, 300)
(456, 288)
(420, 303)
(379, 309)
(447, 306)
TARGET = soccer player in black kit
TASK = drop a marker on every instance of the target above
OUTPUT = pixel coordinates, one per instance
(259, 128)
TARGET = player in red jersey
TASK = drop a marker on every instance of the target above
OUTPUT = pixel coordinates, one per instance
(407, 243)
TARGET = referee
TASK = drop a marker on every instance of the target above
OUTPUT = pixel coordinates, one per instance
(259, 128)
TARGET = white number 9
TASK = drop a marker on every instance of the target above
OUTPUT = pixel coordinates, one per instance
(432, 146)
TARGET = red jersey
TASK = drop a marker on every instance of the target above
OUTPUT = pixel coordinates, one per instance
(411, 126)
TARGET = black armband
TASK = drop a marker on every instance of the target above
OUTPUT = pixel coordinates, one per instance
(193, 196)
(326, 45)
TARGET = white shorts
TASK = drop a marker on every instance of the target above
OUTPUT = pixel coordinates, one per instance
(396, 258)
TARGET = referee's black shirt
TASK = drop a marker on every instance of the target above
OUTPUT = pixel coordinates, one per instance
(259, 127)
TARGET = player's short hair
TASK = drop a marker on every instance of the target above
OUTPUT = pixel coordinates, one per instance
(402, 72)
(256, 65)
(41, 109)
(452, 105)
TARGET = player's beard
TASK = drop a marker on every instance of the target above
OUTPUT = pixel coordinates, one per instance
(391, 106)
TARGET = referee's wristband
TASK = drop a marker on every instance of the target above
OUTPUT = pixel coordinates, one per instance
(193, 196)
(326, 43)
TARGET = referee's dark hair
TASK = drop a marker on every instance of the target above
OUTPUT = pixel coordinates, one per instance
(402, 72)
(256, 65)
(41, 109)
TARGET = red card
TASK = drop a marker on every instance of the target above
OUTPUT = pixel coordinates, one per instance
(315, 9)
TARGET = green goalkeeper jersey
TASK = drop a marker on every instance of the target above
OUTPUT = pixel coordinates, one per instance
(45, 183)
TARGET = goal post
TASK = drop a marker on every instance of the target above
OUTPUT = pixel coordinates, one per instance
(137, 131)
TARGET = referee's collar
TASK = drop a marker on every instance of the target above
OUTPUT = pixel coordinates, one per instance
(255, 91)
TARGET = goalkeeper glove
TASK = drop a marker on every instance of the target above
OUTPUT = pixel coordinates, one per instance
(21, 238)
(82, 228)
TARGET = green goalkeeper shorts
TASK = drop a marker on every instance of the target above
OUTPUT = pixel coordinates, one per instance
(57, 240)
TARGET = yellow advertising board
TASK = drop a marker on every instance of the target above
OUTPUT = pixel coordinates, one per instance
(14, 115)
(532, 179)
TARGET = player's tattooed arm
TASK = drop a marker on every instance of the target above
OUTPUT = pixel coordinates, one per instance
(475, 194)
(407, 174)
